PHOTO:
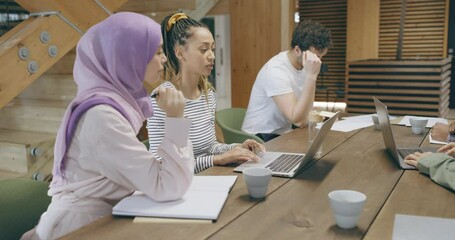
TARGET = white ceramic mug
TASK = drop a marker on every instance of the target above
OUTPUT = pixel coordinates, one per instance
(347, 206)
(418, 125)
(257, 180)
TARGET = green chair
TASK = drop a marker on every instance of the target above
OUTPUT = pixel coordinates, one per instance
(22, 201)
(230, 121)
(146, 143)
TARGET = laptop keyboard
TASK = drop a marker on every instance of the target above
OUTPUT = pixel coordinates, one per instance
(285, 162)
(405, 152)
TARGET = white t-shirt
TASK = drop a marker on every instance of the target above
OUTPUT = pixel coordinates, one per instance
(276, 77)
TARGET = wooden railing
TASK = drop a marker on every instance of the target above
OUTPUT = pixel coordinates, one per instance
(53, 29)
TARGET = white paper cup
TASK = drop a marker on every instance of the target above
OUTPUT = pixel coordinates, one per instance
(347, 206)
(375, 119)
(257, 180)
(418, 125)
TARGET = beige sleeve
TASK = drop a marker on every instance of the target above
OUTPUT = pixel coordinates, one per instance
(119, 156)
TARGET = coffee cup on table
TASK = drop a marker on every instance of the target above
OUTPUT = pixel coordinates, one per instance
(257, 180)
(418, 125)
(347, 206)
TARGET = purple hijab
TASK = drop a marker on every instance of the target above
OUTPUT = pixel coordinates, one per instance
(110, 65)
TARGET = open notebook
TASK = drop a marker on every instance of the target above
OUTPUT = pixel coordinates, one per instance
(204, 200)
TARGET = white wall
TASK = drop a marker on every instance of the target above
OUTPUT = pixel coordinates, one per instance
(223, 61)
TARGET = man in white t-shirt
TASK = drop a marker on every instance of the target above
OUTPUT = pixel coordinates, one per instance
(283, 93)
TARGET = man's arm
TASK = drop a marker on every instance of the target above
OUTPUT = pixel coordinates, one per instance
(296, 110)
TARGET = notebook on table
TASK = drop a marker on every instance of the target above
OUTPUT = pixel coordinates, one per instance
(398, 154)
(284, 164)
(204, 200)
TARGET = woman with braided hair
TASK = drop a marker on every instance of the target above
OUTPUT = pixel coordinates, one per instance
(190, 49)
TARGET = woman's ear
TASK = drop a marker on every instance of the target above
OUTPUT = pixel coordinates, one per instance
(179, 53)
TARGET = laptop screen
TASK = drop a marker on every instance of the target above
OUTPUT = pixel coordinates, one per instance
(383, 117)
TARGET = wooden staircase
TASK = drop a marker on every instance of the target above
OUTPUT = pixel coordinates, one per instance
(29, 123)
(32, 105)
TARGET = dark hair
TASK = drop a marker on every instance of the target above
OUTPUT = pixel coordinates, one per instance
(177, 34)
(311, 34)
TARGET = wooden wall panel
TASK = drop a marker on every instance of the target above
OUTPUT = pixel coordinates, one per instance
(255, 38)
(362, 36)
(333, 15)
(221, 8)
(425, 29)
(406, 87)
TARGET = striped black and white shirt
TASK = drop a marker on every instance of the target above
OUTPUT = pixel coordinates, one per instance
(201, 112)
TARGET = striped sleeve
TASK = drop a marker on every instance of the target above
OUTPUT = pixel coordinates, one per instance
(155, 127)
(205, 158)
(203, 162)
(220, 148)
(216, 147)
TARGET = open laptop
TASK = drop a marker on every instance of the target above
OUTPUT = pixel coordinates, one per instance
(398, 154)
(288, 165)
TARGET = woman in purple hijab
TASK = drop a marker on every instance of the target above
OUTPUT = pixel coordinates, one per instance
(98, 159)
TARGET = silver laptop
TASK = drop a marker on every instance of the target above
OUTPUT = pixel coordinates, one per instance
(285, 164)
(398, 154)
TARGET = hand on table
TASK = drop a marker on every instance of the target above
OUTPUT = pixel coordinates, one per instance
(413, 158)
(237, 155)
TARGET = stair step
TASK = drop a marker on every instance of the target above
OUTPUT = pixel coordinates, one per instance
(33, 115)
(11, 175)
(32, 120)
(51, 87)
(15, 156)
(24, 137)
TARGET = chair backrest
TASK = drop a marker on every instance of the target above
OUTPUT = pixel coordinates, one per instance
(147, 144)
(230, 121)
(22, 202)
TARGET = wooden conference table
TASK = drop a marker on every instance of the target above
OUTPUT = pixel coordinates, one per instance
(298, 208)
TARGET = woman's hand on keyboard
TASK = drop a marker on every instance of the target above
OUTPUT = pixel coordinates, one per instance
(413, 158)
(236, 155)
(254, 147)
